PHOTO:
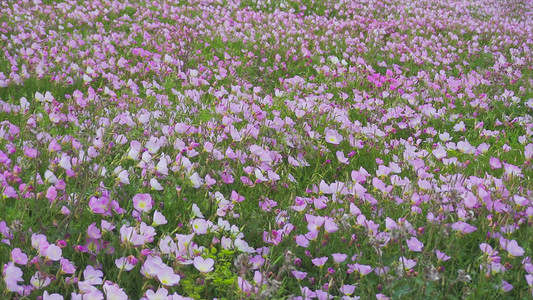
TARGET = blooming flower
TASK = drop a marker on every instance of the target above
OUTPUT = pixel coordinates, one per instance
(200, 226)
(124, 263)
(441, 255)
(114, 291)
(298, 274)
(333, 137)
(319, 261)
(339, 257)
(142, 202)
(161, 294)
(19, 257)
(203, 265)
(167, 277)
(53, 252)
(92, 276)
(159, 219)
(54, 296)
(414, 244)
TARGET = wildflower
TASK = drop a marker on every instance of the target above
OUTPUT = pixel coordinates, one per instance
(92, 276)
(506, 286)
(203, 265)
(152, 266)
(319, 261)
(161, 294)
(135, 149)
(200, 226)
(333, 137)
(159, 219)
(155, 185)
(463, 227)
(167, 277)
(441, 255)
(512, 247)
(339, 257)
(298, 274)
(124, 263)
(347, 289)
(414, 244)
(512, 170)
(19, 257)
(361, 269)
(196, 180)
(302, 241)
(142, 202)
(495, 163)
(40, 280)
(12, 275)
(53, 252)
(342, 159)
(93, 232)
(407, 264)
(54, 296)
(113, 291)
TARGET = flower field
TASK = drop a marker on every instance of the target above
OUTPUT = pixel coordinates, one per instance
(372, 149)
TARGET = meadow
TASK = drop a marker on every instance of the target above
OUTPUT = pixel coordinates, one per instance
(262, 149)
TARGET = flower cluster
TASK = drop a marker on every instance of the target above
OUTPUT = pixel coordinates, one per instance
(266, 149)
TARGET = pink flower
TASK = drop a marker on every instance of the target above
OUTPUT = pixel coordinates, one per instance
(414, 244)
(339, 257)
(342, 159)
(440, 152)
(407, 264)
(333, 137)
(319, 261)
(12, 275)
(142, 202)
(30, 152)
(92, 276)
(53, 252)
(167, 277)
(125, 263)
(529, 279)
(299, 275)
(67, 267)
(161, 293)
(93, 232)
(506, 286)
(113, 291)
(10, 192)
(495, 163)
(347, 289)
(159, 219)
(203, 265)
(19, 257)
(244, 285)
(100, 205)
(51, 194)
(463, 227)
(512, 170)
(513, 248)
(314, 222)
(361, 269)
(200, 226)
(442, 256)
(54, 296)
(302, 241)
(40, 280)
(470, 200)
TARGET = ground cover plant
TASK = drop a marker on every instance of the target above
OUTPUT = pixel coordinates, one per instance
(266, 149)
